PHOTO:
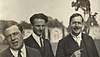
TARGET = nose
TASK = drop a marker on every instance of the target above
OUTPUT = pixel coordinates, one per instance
(12, 37)
(76, 24)
(41, 28)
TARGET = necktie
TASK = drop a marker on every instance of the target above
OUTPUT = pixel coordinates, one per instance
(19, 53)
(41, 42)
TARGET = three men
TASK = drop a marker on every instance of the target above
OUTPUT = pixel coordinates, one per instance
(76, 44)
(37, 39)
(14, 34)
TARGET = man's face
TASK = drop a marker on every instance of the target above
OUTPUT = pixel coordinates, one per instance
(39, 26)
(76, 25)
(14, 37)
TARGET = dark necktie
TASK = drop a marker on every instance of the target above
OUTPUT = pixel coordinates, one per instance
(42, 47)
(41, 42)
(19, 53)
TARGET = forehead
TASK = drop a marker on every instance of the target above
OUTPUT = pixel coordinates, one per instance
(12, 29)
(77, 18)
(39, 21)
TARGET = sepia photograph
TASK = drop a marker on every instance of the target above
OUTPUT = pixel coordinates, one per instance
(49, 28)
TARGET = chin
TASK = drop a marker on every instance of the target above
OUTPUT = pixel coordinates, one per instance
(77, 32)
(39, 34)
(16, 47)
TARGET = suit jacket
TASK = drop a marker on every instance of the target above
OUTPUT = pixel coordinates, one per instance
(47, 50)
(67, 46)
(30, 52)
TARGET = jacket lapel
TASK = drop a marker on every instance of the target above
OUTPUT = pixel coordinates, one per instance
(34, 41)
(72, 44)
(28, 54)
(87, 44)
(8, 53)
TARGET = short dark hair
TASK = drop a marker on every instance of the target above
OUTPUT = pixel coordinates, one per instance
(75, 15)
(9, 24)
(20, 27)
(38, 16)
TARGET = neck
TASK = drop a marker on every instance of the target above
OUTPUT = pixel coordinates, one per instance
(76, 34)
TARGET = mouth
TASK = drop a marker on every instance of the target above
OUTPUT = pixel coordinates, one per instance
(40, 32)
(76, 29)
(15, 43)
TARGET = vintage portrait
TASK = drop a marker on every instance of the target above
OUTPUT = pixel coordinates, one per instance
(49, 28)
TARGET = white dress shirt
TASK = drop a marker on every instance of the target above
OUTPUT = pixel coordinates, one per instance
(37, 38)
(15, 52)
(78, 38)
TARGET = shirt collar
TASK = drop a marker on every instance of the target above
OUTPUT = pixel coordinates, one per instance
(15, 52)
(37, 38)
(79, 36)
(23, 49)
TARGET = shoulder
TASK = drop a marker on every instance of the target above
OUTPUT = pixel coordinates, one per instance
(86, 36)
(2, 54)
(32, 50)
(47, 43)
(66, 38)
(29, 38)
(5, 53)
(46, 40)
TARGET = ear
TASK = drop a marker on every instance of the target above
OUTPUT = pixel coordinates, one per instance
(6, 41)
(23, 33)
(69, 26)
(32, 27)
(83, 25)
